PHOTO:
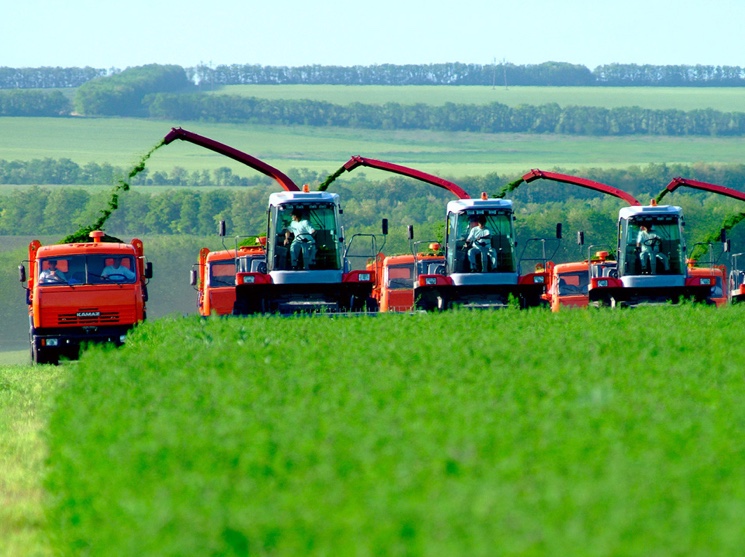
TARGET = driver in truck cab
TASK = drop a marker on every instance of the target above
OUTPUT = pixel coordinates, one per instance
(52, 274)
(116, 272)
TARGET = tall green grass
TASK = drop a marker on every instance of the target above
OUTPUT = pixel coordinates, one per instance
(464, 433)
(25, 395)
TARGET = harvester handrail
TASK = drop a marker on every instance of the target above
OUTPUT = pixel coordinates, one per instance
(536, 174)
(453, 188)
(280, 177)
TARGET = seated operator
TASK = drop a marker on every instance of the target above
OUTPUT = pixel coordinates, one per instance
(303, 240)
(116, 272)
(478, 241)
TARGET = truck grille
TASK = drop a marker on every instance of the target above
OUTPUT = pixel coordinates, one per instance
(88, 317)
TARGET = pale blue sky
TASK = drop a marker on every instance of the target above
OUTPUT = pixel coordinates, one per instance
(118, 34)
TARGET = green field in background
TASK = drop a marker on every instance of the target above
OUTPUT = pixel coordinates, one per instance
(121, 142)
(726, 99)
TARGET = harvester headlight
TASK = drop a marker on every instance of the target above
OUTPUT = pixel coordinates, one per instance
(539, 279)
(364, 276)
(706, 281)
(430, 281)
(122, 338)
(602, 283)
(249, 279)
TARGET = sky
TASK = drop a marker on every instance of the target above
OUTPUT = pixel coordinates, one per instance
(120, 34)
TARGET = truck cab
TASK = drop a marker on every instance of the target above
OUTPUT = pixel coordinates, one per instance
(214, 276)
(82, 293)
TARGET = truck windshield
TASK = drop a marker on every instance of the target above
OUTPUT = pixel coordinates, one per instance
(87, 269)
(400, 276)
(481, 241)
(222, 273)
(574, 283)
(305, 237)
(651, 246)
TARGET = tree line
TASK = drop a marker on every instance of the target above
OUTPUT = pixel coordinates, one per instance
(166, 92)
(637, 180)
(489, 118)
(545, 74)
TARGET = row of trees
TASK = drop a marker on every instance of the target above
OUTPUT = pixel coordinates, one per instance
(116, 100)
(48, 77)
(34, 103)
(489, 118)
(37, 211)
(547, 73)
(163, 92)
(65, 171)
(637, 180)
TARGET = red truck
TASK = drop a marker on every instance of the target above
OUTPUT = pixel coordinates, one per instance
(81, 293)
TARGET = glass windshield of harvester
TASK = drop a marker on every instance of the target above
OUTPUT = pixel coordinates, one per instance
(87, 269)
(294, 244)
(494, 249)
(222, 273)
(651, 245)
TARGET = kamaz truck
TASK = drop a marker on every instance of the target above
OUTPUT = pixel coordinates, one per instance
(82, 293)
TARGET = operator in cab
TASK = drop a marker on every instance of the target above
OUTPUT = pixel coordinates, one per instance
(301, 237)
(478, 242)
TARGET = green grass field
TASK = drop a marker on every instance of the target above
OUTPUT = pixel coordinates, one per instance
(121, 142)
(26, 394)
(726, 99)
(545, 434)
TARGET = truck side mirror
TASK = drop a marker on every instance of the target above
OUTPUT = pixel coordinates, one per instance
(410, 231)
(581, 237)
(221, 229)
(21, 273)
(558, 231)
(384, 226)
(148, 270)
(193, 277)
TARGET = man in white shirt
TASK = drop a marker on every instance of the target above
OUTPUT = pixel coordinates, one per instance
(478, 242)
(303, 240)
(117, 272)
